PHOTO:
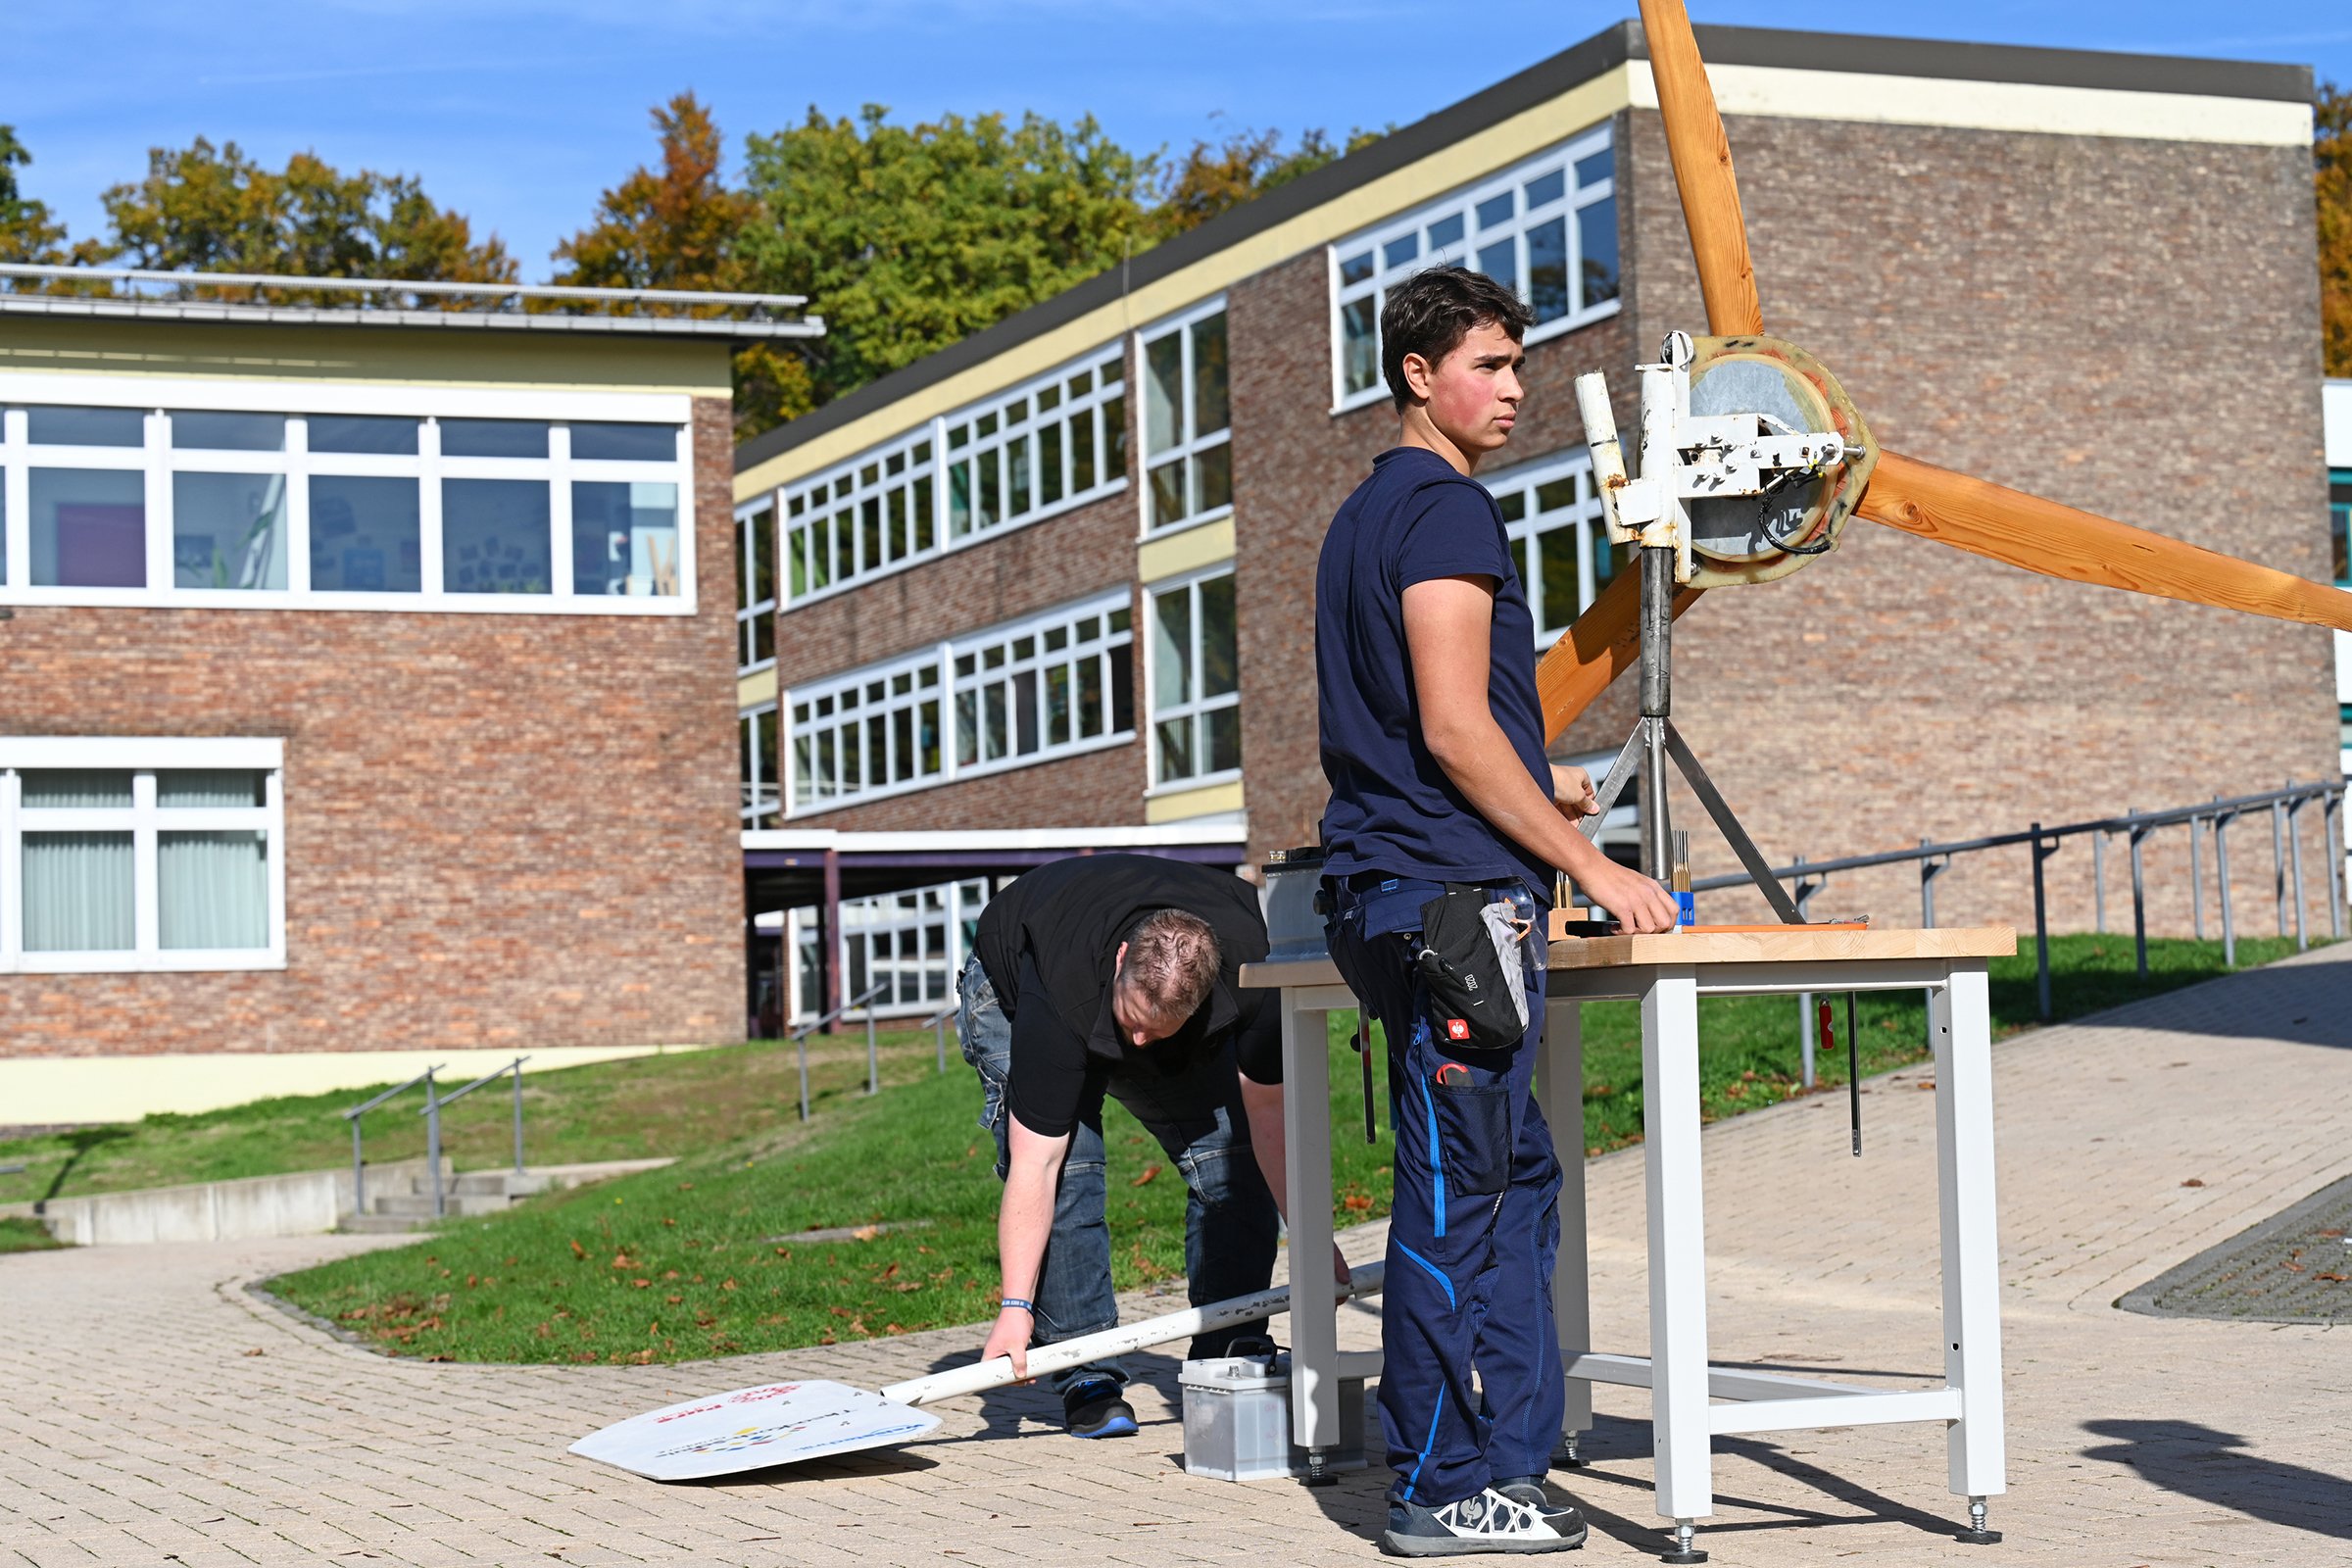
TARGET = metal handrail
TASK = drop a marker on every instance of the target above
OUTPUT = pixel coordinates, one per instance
(432, 1123)
(359, 1160)
(2286, 848)
(873, 1064)
(938, 1024)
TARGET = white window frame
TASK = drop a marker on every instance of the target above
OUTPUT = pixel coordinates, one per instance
(943, 660)
(1575, 523)
(143, 756)
(820, 512)
(1195, 707)
(855, 686)
(157, 397)
(1190, 443)
(753, 539)
(1466, 247)
(758, 790)
(798, 502)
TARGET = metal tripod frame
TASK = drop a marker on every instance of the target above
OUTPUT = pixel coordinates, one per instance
(1654, 741)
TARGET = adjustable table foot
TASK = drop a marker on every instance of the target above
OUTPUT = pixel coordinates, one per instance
(1683, 1552)
(1318, 1471)
(1976, 1535)
(1566, 1458)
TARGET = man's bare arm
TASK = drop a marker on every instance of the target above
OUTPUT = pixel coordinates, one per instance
(1024, 1223)
(1447, 630)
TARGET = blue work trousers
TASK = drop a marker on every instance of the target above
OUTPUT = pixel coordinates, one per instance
(1476, 1223)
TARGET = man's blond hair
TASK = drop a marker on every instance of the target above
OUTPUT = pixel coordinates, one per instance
(1171, 962)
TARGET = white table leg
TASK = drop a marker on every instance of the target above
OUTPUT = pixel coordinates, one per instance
(1964, 1159)
(1314, 1313)
(1678, 1282)
(1561, 1084)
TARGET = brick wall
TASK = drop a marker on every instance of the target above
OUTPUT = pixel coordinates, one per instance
(499, 829)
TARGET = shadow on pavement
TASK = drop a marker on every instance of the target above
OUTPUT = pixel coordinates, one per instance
(2299, 1004)
(2196, 1461)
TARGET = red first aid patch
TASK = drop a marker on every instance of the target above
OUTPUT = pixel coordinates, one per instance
(1457, 1028)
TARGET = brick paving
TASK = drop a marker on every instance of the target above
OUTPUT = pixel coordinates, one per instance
(138, 1426)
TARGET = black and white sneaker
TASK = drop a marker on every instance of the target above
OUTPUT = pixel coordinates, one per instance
(1095, 1409)
(1486, 1522)
(1530, 1490)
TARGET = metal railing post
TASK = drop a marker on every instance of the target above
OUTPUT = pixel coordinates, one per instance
(2279, 862)
(2294, 838)
(359, 1172)
(2139, 900)
(2041, 928)
(801, 1040)
(2220, 865)
(941, 1022)
(517, 1115)
(2098, 880)
(2332, 826)
(432, 1142)
(2196, 878)
(873, 1059)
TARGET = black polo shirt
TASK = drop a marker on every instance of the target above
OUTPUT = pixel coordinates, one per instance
(1050, 944)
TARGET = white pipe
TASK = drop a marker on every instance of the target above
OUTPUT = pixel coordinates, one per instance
(1067, 1353)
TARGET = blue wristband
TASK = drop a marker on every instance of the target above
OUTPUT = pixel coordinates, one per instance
(1015, 1300)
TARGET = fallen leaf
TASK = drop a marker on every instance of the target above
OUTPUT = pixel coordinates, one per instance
(784, 1252)
(2338, 1278)
(252, 1352)
(866, 1233)
(1149, 1171)
(641, 1284)
(890, 1273)
(2193, 1181)
(1355, 1203)
(580, 1251)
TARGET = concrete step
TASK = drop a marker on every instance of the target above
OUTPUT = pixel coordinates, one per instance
(400, 1196)
(420, 1205)
(376, 1224)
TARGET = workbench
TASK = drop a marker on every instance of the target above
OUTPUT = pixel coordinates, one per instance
(1668, 974)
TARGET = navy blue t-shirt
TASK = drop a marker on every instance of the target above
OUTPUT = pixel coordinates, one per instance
(1392, 808)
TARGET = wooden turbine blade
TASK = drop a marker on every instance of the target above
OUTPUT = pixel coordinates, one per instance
(2058, 541)
(1603, 644)
(1702, 172)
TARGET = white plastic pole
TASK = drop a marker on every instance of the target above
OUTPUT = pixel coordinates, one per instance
(1067, 1353)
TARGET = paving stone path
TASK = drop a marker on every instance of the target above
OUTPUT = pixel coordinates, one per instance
(154, 1411)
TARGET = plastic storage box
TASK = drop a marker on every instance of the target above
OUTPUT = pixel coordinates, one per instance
(1237, 1420)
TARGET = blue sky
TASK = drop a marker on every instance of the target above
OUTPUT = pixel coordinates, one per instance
(519, 112)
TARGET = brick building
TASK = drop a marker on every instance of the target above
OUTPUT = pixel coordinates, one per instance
(1060, 575)
(364, 694)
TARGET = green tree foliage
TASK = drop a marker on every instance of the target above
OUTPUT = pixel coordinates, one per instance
(27, 233)
(909, 238)
(681, 226)
(217, 211)
(1214, 177)
(2331, 149)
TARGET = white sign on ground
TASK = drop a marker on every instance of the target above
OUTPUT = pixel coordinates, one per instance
(750, 1429)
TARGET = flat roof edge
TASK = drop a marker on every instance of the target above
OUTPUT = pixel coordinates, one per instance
(201, 313)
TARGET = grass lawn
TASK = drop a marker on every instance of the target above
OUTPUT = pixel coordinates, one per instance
(641, 1108)
(20, 1234)
(685, 1262)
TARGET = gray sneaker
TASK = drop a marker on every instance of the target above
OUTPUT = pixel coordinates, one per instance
(1486, 1522)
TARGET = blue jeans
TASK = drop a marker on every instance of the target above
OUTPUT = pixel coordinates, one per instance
(1229, 1225)
(1476, 1224)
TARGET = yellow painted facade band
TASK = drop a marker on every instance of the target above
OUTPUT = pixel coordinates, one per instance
(1157, 559)
(408, 357)
(56, 1090)
(753, 689)
(1182, 805)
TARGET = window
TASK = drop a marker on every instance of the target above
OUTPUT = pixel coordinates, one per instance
(1023, 454)
(755, 586)
(1049, 686)
(1038, 449)
(1548, 227)
(140, 855)
(911, 944)
(2339, 524)
(763, 786)
(1558, 540)
(335, 508)
(1196, 682)
(1188, 434)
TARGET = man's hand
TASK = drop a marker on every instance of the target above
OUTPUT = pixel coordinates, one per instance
(1010, 1336)
(1641, 905)
(1339, 1267)
(1572, 792)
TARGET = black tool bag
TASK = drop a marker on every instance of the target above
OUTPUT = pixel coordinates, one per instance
(1469, 962)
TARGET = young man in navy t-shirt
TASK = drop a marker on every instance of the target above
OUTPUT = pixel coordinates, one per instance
(1433, 742)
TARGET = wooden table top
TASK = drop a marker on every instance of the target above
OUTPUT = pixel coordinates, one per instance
(1791, 945)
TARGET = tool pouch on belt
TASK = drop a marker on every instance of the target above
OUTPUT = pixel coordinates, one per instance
(1469, 962)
